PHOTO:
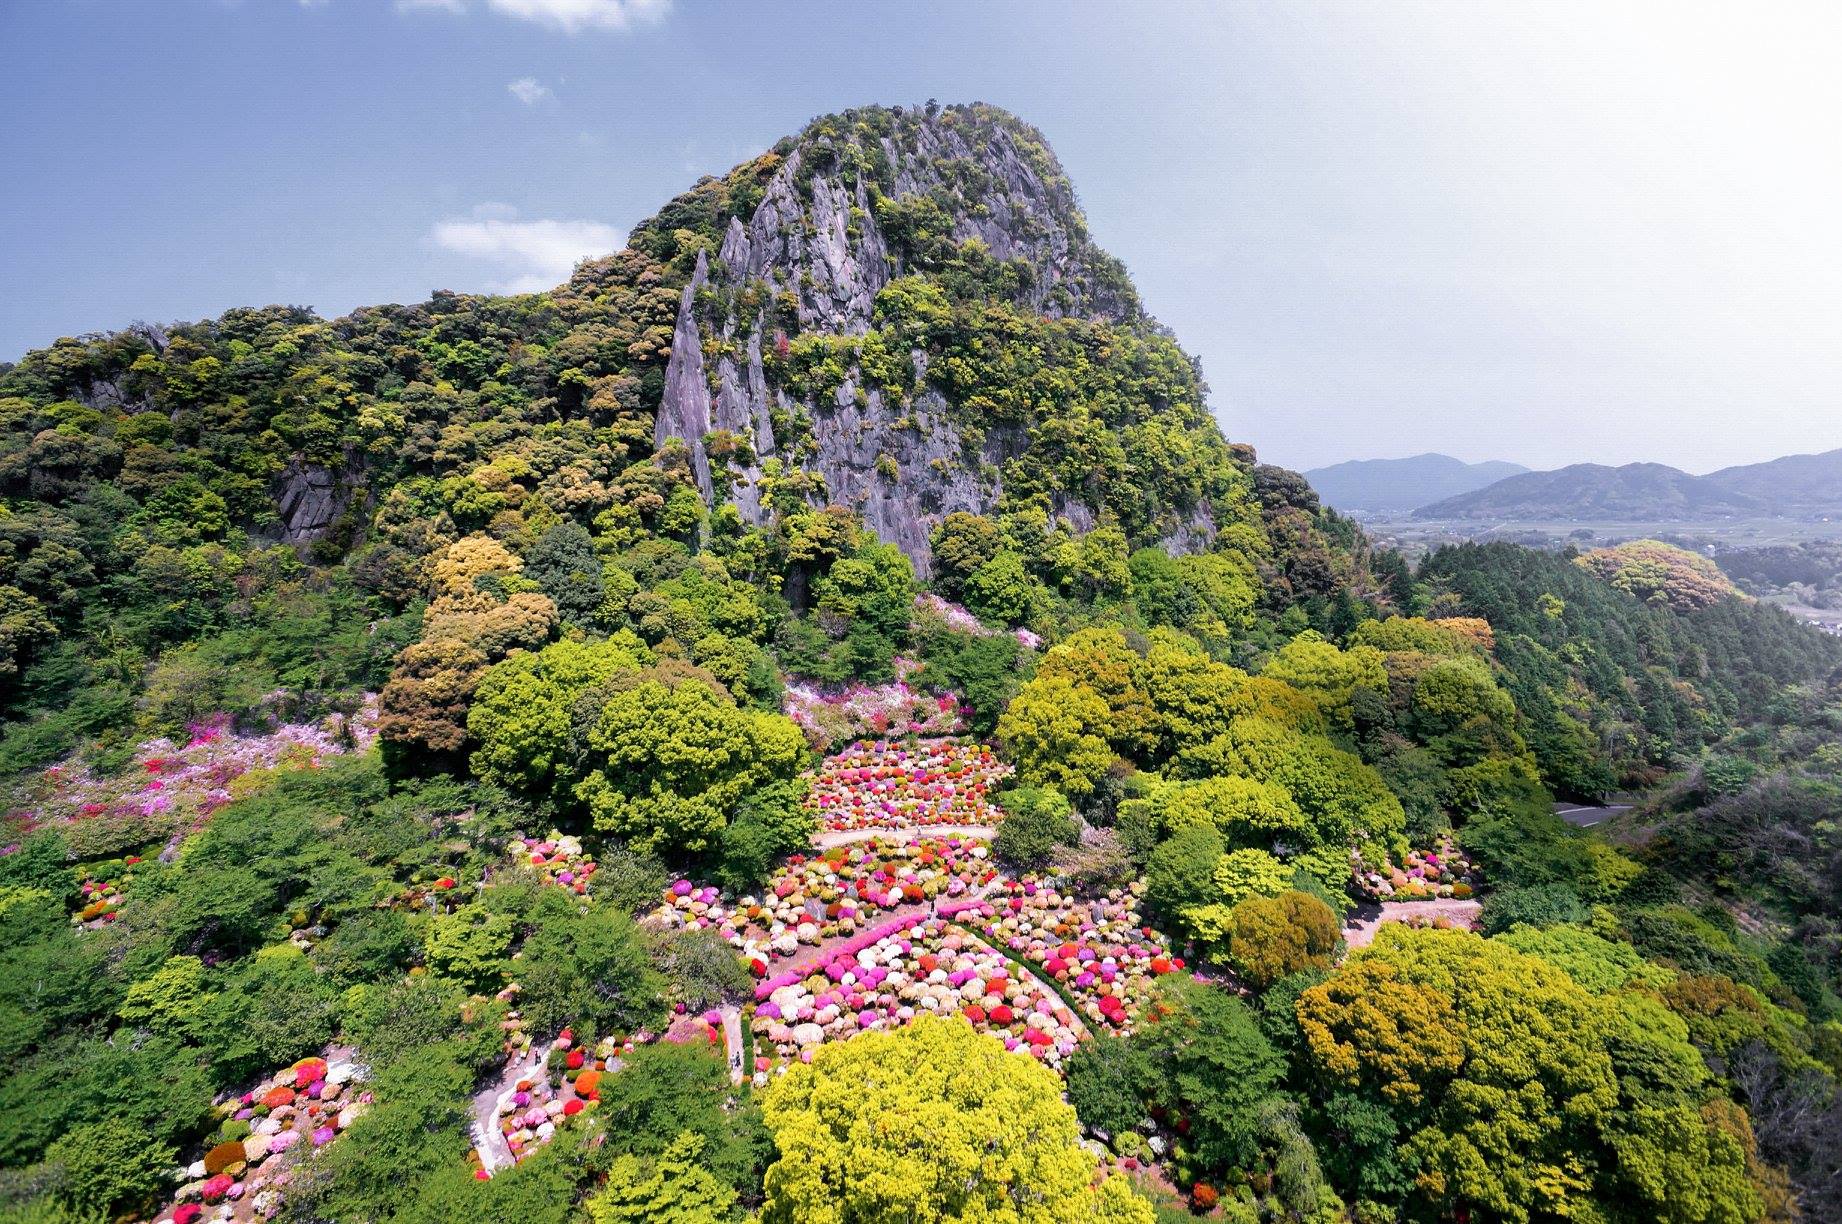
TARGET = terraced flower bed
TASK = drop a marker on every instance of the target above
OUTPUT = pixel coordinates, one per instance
(831, 893)
(1100, 950)
(883, 785)
(241, 1174)
(911, 967)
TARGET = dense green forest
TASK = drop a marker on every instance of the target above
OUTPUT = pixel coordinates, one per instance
(515, 768)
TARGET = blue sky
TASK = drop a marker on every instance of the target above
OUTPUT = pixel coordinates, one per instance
(1543, 233)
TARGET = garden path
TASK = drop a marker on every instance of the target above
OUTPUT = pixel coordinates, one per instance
(825, 839)
(1360, 931)
(489, 1101)
(732, 1040)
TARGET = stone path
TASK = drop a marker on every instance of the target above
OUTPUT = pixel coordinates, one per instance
(1359, 932)
(489, 1102)
(732, 1041)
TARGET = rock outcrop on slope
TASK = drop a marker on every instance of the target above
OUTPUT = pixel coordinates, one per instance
(812, 256)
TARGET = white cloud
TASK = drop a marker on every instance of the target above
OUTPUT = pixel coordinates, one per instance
(568, 16)
(529, 90)
(574, 16)
(531, 255)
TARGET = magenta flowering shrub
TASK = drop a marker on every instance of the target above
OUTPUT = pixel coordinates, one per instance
(832, 716)
(1100, 949)
(170, 789)
(830, 894)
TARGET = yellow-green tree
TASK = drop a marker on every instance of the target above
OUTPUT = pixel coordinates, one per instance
(523, 711)
(672, 1189)
(1313, 665)
(1056, 733)
(1518, 1095)
(671, 760)
(930, 1124)
(1270, 937)
(1100, 661)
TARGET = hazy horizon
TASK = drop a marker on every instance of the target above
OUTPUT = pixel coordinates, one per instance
(1579, 234)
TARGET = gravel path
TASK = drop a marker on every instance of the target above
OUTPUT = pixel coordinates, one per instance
(1359, 932)
(487, 1138)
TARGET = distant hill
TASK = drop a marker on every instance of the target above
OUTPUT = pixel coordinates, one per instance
(1403, 484)
(1797, 486)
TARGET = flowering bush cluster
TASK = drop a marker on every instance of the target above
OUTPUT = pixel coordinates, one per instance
(834, 716)
(170, 789)
(1101, 951)
(530, 1111)
(953, 616)
(1423, 875)
(921, 966)
(957, 618)
(892, 786)
(300, 1109)
(560, 859)
(829, 894)
(100, 891)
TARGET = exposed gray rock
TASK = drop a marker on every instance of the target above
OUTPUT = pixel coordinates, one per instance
(903, 466)
(684, 411)
(307, 500)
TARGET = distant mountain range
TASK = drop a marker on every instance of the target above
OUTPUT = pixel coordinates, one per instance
(1403, 484)
(1796, 486)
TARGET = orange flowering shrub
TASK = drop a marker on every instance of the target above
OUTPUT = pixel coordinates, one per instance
(223, 1156)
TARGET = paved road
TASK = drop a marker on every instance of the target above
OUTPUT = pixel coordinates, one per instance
(1586, 815)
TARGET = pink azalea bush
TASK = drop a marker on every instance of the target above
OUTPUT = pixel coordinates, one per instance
(297, 1110)
(1099, 949)
(956, 617)
(170, 789)
(560, 859)
(830, 894)
(830, 716)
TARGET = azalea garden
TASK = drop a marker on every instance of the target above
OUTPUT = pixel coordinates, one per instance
(546, 841)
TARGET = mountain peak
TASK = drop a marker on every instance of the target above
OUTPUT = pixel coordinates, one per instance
(1396, 485)
(821, 281)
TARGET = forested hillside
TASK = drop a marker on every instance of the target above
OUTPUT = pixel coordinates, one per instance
(812, 720)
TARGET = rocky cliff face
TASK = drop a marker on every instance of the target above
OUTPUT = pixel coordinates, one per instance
(812, 256)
